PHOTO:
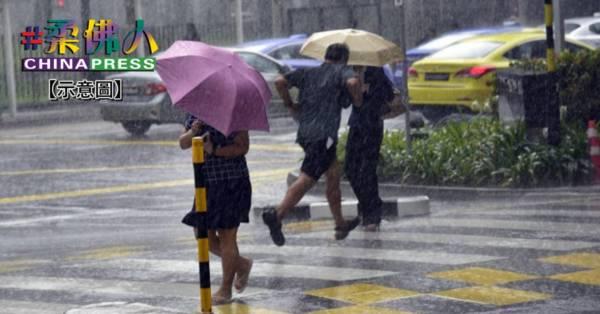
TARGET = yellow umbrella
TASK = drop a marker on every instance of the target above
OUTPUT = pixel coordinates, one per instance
(365, 48)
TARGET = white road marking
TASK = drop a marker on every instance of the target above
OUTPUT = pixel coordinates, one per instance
(566, 227)
(460, 239)
(260, 269)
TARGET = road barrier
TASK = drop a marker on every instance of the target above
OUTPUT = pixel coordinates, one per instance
(202, 231)
(594, 142)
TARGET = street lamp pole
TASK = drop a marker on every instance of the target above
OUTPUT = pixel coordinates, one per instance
(405, 96)
(139, 14)
(8, 59)
(559, 26)
(239, 21)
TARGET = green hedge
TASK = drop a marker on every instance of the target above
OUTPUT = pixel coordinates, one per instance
(484, 152)
(580, 85)
(579, 82)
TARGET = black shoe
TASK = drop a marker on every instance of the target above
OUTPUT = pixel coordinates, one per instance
(270, 219)
(341, 232)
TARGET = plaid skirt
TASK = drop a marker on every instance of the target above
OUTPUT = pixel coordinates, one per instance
(228, 204)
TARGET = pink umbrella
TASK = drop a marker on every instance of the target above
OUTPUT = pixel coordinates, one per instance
(215, 85)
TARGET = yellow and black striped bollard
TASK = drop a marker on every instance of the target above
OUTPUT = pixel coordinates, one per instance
(549, 17)
(553, 105)
(202, 231)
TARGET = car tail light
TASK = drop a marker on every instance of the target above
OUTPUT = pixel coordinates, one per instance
(476, 71)
(412, 73)
(155, 88)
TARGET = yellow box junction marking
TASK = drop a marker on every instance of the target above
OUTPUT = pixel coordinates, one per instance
(584, 260)
(362, 294)
(493, 295)
(481, 276)
(586, 277)
(18, 265)
(360, 310)
(108, 253)
(237, 308)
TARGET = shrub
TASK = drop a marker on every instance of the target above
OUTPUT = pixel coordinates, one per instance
(484, 152)
(580, 85)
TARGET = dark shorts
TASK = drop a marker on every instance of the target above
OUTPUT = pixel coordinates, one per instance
(228, 204)
(317, 158)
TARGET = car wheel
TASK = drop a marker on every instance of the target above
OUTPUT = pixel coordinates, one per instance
(137, 128)
(435, 114)
(452, 118)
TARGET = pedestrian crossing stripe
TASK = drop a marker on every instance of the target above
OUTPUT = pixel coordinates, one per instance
(238, 308)
(566, 227)
(461, 239)
(122, 288)
(539, 213)
(361, 309)
(362, 294)
(259, 269)
(493, 295)
(415, 256)
(481, 276)
(29, 307)
(584, 260)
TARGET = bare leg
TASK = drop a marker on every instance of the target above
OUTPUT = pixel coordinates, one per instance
(214, 244)
(333, 193)
(243, 264)
(229, 257)
(294, 194)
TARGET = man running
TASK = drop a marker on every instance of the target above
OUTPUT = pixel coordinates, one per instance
(324, 91)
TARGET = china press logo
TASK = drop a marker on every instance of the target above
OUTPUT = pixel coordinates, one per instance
(61, 37)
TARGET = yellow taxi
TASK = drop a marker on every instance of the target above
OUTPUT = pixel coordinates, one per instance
(462, 77)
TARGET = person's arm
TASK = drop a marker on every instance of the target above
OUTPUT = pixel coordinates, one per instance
(185, 139)
(354, 87)
(240, 146)
(281, 83)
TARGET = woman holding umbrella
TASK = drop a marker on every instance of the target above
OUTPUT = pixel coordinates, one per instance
(224, 98)
(229, 195)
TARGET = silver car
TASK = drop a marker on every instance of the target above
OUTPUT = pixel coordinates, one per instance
(146, 102)
(586, 29)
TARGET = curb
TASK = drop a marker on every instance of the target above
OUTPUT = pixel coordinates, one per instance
(392, 208)
(454, 193)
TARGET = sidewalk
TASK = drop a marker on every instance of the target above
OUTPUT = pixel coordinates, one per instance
(51, 114)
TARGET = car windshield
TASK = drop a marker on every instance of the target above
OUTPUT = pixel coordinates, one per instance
(569, 27)
(467, 50)
(445, 41)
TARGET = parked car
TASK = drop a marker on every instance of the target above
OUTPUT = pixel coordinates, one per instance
(146, 102)
(585, 29)
(436, 44)
(461, 77)
(286, 50)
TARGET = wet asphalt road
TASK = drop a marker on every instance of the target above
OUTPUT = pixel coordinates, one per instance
(89, 215)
